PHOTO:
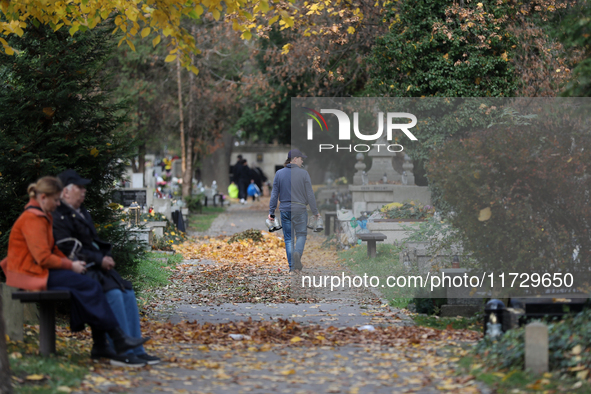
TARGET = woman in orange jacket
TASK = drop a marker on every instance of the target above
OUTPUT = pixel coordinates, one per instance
(35, 263)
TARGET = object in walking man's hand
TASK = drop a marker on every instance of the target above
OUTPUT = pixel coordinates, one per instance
(316, 223)
(273, 225)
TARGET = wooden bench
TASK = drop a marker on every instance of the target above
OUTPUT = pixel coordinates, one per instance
(47, 300)
(371, 239)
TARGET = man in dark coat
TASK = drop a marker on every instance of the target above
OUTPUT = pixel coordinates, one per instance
(75, 235)
(244, 177)
(236, 170)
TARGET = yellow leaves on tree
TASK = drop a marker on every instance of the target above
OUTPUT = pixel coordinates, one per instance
(147, 17)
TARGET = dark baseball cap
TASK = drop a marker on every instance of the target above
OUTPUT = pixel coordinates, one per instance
(296, 153)
(70, 177)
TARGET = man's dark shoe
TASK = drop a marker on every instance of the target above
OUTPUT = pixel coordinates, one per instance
(127, 360)
(123, 342)
(151, 360)
(297, 261)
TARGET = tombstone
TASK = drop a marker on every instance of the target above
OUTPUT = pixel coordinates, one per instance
(163, 206)
(137, 180)
(127, 196)
(177, 169)
(157, 228)
(536, 347)
(141, 235)
(150, 178)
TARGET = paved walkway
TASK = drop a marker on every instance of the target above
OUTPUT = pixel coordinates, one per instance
(361, 365)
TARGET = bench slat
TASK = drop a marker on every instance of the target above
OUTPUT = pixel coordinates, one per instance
(39, 296)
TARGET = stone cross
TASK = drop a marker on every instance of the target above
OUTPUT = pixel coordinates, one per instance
(536, 347)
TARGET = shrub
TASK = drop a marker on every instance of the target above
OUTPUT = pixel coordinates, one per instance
(55, 114)
(126, 253)
(429, 302)
(194, 202)
(568, 342)
(171, 237)
(520, 192)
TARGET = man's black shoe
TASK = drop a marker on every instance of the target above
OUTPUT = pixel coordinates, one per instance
(151, 360)
(123, 342)
(127, 360)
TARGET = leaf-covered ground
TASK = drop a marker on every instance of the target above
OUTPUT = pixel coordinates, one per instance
(233, 320)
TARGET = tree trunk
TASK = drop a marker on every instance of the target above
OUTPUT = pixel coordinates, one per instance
(182, 122)
(188, 168)
(141, 134)
(217, 165)
(5, 380)
(142, 157)
(188, 173)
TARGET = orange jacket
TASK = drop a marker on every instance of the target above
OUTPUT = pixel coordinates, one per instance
(32, 251)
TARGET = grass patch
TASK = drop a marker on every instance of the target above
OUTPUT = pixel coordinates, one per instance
(385, 264)
(67, 368)
(517, 380)
(455, 323)
(152, 272)
(202, 221)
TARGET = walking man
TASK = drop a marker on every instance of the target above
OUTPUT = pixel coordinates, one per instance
(292, 187)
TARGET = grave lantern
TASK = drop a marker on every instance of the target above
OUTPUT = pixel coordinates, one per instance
(493, 318)
(134, 214)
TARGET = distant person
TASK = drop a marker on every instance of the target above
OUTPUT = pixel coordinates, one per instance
(293, 188)
(236, 170)
(253, 191)
(233, 190)
(243, 181)
(258, 176)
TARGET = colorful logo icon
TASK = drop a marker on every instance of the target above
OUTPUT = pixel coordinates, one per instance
(317, 117)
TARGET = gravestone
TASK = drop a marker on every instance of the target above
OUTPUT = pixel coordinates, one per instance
(141, 235)
(177, 169)
(137, 180)
(163, 206)
(157, 228)
(150, 179)
(128, 196)
(536, 347)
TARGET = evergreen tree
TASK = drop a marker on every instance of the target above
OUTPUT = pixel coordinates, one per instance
(55, 114)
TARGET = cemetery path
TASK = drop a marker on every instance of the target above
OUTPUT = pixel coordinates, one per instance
(233, 320)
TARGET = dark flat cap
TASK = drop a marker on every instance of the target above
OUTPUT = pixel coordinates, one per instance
(295, 153)
(70, 177)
